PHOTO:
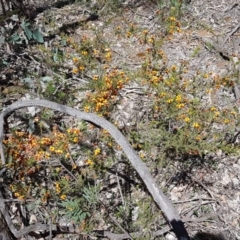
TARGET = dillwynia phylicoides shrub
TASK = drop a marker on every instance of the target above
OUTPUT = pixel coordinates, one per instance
(179, 124)
(44, 167)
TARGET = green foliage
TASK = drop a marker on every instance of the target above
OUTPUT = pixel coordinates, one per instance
(32, 34)
(18, 31)
(91, 193)
(183, 126)
(57, 55)
(73, 210)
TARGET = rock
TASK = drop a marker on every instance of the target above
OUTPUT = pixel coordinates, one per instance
(235, 183)
(225, 178)
(170, 236)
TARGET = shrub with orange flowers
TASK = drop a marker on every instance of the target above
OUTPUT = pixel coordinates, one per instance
(105, 91)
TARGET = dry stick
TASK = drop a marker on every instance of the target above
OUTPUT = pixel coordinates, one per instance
(158, 196)
(230, 34)
(115, 236)
(117, 223)
(120, 190)
(3, 8)
(67, 170)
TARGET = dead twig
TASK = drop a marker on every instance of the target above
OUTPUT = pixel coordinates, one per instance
(204, 187)
(230, 34)
(117, 223)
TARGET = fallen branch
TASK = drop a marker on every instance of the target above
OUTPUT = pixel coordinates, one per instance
(161, 200)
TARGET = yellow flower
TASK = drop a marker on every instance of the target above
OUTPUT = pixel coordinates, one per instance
(178, 98)
(84, 53)
(198, 138)
(180, 105)
(129, 34)
(168, 83)
(108, 56)
(174, 68)
(46, 141)
(19, 134)
(205, 75)
(97, 151)
(186, 119)
(95, 52)
(162, 94)
(75, 71)
(67, 155)
(76, 131)
(155, 79)
(226, 121)
(95, 77)
(208, 90)
(59, 151)
(154, 73)
(142, 155)
(170, 100)
(172, 19)
(58, 189)
(16, 194)
(89, 162)
(213, 109)
(86, 108)
(75, 140)
(74, 166)
(196, 125)
(52, 149)
(151, 39)
(81, 68)
(63, 197)
(75, 60)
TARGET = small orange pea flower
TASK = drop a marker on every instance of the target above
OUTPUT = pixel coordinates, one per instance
(97, 151)
(75, 70)
(63, 197)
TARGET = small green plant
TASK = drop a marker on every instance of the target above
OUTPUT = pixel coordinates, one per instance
(91, 193)
(73, 210)
(176, 6)
(18, 32)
